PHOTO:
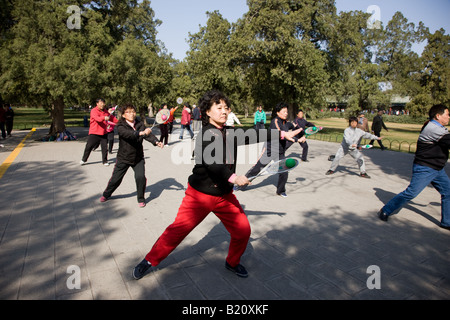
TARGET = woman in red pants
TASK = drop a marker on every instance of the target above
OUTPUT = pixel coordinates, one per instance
(210, 189)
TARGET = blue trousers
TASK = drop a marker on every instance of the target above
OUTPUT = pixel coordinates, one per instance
(421, 178)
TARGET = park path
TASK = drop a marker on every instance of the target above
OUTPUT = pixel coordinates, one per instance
(319, 243)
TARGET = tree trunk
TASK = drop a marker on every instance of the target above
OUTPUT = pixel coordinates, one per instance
(142, 115)
(291, 110)
(57, 112)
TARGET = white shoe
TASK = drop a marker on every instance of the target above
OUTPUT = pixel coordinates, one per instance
(106, 164)
(82, 162)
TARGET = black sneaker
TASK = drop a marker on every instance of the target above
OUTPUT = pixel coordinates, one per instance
(239, 270)
(364, 175)
(382, 215)
(329, 172)
(140, 270)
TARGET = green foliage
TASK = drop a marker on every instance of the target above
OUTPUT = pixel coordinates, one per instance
(298, 51)
(434, 77)
(114, 54)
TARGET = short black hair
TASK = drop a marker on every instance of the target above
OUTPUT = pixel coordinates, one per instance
(98, 100)
(437, 109)
(206, 102)
(351, 119)
(278, 108)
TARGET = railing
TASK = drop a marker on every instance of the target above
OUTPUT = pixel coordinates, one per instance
(394, 145)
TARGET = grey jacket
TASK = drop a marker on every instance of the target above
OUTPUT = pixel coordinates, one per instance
(352, 136)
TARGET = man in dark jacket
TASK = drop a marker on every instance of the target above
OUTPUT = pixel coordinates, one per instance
(431, 157)
(132, 133)
(377, 124)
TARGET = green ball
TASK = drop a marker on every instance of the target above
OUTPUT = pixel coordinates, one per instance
(315, 128)
(290, 163)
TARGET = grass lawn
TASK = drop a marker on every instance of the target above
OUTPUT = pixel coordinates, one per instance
(28, 118)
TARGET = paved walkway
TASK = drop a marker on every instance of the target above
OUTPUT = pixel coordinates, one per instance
(319, 243)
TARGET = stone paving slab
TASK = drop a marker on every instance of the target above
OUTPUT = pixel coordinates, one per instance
(317, 244)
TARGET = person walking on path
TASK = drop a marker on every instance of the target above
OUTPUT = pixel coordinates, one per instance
(377, 125)
(349, 145)
(97, 132)
(428, 168)
(132, 133)
(260, 118)
(210, 189)
(186, 121)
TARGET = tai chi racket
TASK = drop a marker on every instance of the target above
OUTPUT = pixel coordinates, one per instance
(312, 130)
(161, 117)
(367, 146)
(276, 167)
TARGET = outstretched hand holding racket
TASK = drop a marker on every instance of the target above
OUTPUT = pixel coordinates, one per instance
(312, 130)
(275, 167)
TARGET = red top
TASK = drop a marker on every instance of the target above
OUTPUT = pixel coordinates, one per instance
(98, 124)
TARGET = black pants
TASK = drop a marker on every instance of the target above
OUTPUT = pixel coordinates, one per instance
(265, 159)
(9, 126)
(119, 172)
(305, 147)
(378, 134)
(110, 136)
(92, 143)
(164, 134)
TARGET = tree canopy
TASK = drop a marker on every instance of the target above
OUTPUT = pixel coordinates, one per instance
(61, 53)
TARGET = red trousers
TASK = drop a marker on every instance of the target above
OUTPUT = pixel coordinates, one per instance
(193, 210)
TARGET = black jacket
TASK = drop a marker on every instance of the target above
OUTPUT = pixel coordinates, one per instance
(281, 145)
(131, 150)
(378, 123)
(303, 123)
(216, 154)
